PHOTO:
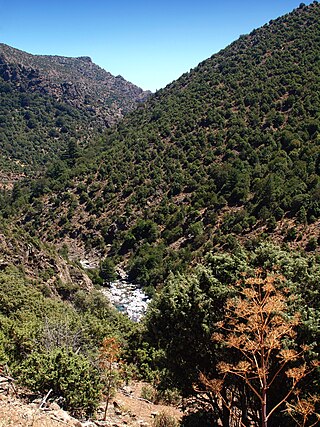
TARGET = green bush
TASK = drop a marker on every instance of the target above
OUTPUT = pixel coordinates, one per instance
(107, 270)
(149, 393)
(3, 344)
(170, 396)
(69, 375)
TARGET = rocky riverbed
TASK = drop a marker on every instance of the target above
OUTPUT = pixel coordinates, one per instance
(124, 295)
(128, 298)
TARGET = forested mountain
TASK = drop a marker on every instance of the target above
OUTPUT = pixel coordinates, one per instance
(229, 151)
(48, 102)
(208, 194)
(76, 81)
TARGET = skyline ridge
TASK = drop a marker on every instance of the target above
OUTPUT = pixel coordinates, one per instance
(150, 45)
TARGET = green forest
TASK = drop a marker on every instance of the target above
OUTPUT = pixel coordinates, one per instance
(208, 196)
(35, 129)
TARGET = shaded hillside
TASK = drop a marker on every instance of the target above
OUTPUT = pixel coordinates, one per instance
(229, 151)
(48, 103)
(76, 81)
(34, 130)
(39, 262)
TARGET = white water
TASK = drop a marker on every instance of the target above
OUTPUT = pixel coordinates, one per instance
(127, 298)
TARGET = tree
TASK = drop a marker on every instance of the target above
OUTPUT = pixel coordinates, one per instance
(261, 331)
(109, 359)
(180, 321)
(107, 270)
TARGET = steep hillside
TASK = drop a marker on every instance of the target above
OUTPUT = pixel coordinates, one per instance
(34, 130)
(48, 103)
(39, 262)
(229, 151)
(76, 81)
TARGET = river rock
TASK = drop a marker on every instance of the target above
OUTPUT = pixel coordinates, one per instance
(61, 415)
(128, 298)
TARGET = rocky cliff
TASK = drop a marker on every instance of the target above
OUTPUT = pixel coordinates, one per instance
(76, 81)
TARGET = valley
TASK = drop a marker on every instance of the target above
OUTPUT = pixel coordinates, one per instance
(194, 210)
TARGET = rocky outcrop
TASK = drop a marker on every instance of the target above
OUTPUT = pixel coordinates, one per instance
(39, 262)
(76, 81)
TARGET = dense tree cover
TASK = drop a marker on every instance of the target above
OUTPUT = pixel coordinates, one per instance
(189, 310)
(35, 128)
(230, 149)
(49, 343)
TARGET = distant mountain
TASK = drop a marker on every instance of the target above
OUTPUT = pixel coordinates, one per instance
(76, 81)
(228, 153)
(48, 102)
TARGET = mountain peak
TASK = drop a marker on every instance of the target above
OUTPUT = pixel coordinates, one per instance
(76, 81)
(85, 58)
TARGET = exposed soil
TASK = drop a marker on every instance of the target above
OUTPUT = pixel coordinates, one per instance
(126, 409)
(142, 412)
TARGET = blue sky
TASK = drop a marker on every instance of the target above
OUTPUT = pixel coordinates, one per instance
(149, 43)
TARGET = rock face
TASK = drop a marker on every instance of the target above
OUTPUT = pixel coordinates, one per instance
(38, 261)
(77, 81)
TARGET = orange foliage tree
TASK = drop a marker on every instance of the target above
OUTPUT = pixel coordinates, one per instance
(110, 365)
(259, 328)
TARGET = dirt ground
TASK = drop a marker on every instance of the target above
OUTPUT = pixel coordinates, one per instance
(126, 409)
(141, 409)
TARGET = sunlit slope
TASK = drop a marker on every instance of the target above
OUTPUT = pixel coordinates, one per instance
(228, 152)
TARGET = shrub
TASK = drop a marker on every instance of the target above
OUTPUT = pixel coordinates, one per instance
(163, 419)
(170, 396)
(68, 374)
(107, 270)
(149, 393)
(164, 397)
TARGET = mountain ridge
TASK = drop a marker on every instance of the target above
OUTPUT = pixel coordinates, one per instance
(227, 153)
(50, 102)
(77, 81)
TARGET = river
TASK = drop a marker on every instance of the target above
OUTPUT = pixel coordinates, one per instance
(125, 296)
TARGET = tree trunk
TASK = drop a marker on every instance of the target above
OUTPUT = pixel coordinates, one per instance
(107, 402)
(225, 416)
(264, 420)
(244, 407)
